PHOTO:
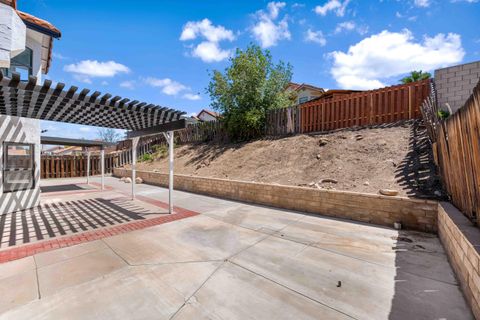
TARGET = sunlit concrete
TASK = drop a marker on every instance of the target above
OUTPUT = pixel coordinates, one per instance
(238, 261)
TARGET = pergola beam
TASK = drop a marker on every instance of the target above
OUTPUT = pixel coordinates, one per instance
(169, 126)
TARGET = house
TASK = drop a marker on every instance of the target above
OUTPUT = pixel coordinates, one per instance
(304, 92)
(332, 94)
(25, 49)
(207, 115)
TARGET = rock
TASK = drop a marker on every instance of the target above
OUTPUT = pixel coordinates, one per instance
(358, 137)
(388, 192)
(322, 142)
(382, 142)
(366, 183)
(328, 181)
(319, 156)
(342, 137)
(437, 193)
(128, 180)
(311, 184)
(138, 180)
(122, 179)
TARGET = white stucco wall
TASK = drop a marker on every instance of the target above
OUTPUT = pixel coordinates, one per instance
(12, 35)
(22, 130)
(34, 42)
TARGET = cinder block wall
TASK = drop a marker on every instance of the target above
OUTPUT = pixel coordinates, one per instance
(455, 84)
(461, 241)
(382, 210)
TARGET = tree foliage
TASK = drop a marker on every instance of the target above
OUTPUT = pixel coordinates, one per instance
(247, 89)
(416, 76)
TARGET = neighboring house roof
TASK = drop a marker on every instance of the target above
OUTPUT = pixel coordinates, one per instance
(330, 94)
(296, 87)
(210, 112)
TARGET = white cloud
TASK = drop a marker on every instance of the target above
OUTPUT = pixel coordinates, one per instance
(422, 3)
(315, 36)
(266, 30)
(168, 86)
(191, 96)
(373, 60)
(205, 28)
(128, 84)
(82, 78)
(336, 6)
(94, 68)
(59, 56)
(349, 26)
(209, 50)
(85, 129)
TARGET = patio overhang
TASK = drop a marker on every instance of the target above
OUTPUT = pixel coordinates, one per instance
(47, 102)
(57, 141)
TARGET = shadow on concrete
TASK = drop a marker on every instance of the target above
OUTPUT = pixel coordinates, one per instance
(57, 219)
(65, 187)
(425, 285)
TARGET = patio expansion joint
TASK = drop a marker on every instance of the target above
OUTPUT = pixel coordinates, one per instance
(37, 278)
(292, 290)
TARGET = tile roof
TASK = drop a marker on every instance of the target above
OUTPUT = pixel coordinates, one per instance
(42, 25)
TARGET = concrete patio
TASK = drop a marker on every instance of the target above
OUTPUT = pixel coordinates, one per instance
(234, 261)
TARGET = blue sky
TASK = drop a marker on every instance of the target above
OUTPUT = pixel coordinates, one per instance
(162, 51)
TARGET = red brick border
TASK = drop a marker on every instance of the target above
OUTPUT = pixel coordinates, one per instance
(71, 240)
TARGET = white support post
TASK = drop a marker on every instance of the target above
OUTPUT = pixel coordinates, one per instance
(134, 164)
(169, 138)
(102, 166)
(88, 166)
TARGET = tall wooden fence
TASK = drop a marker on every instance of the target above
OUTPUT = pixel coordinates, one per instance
(456, 146)
(365, 108)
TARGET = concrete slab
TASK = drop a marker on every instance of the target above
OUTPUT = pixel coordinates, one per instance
(55, 277)
(195, 239)
(235, 293)
(18, 284)
(237, 261)
(146, 292)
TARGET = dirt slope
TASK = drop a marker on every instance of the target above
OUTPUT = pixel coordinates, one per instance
(364, 160)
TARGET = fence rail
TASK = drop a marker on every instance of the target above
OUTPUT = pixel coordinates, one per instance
(372, 107)
(456, 146)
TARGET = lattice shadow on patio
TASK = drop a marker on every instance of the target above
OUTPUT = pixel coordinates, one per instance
(57, 219)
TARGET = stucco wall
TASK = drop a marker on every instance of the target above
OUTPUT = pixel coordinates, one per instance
(382, 210)
(455, 84)
(14, 129)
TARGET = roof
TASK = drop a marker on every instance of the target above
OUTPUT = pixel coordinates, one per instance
(73, 142)
(333, 93)
(39, 25)
(210, 112)
(29, 100)
(295, 87)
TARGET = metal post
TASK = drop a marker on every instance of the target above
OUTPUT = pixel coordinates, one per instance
(134, 164)
(170, 172)
(88, 166)
(102, 166)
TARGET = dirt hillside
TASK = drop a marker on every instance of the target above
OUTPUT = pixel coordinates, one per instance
(366, 160)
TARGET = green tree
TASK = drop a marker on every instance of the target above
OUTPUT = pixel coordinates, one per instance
(248, 88)
(416, 76)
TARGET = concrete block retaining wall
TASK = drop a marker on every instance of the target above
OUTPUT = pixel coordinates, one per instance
(462, 243)
(382, 210)
(455, 84)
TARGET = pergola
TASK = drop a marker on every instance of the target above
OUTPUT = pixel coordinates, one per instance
(58, 141)
(55, 103)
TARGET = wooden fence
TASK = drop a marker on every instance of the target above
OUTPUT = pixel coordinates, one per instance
(456, 147)
(365, 108)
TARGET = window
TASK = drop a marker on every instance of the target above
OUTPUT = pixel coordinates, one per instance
(22, 64)
(18, 167)
(303, 99)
